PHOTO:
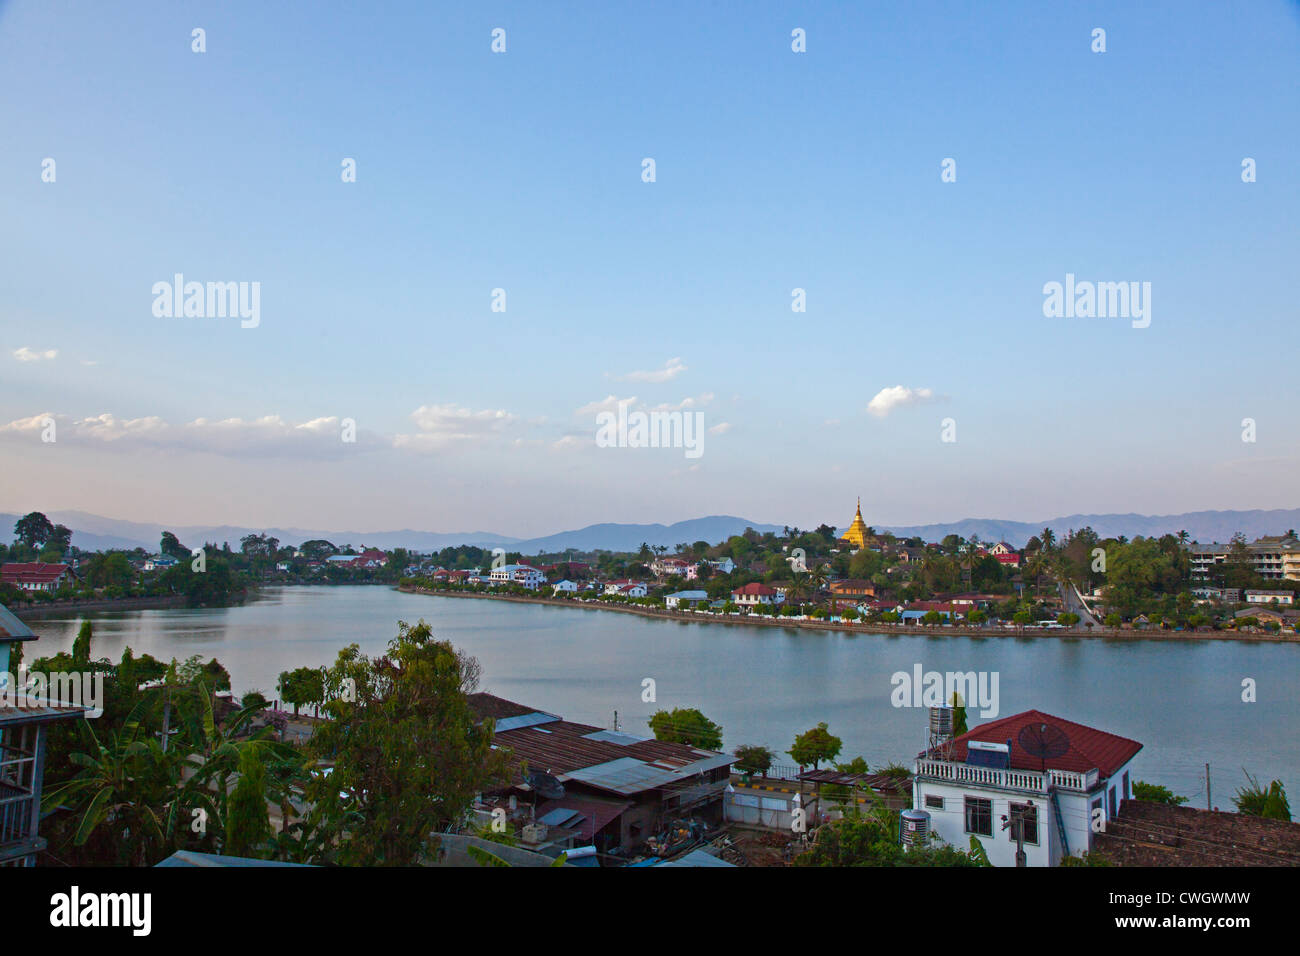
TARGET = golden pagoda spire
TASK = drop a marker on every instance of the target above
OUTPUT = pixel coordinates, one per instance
(856, 536)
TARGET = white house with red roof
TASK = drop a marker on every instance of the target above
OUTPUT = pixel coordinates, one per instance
(667, 567)
(754, 594)
(35, 576)
(1063, 780)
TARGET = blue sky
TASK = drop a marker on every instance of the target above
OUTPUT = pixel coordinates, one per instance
(522, 171)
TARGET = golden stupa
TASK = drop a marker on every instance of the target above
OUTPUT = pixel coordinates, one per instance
(858, 533)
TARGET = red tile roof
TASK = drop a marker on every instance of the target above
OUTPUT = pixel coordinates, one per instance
(31, 573)
(755, 588)
(1089, 748)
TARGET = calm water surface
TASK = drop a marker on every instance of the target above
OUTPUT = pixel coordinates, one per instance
(1182, 700)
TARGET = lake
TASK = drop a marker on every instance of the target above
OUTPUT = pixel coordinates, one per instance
(1181, 699)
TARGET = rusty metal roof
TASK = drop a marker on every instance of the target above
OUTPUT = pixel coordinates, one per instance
(580, 752)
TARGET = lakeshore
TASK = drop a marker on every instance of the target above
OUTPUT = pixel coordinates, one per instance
(871, 627)
(764, 682)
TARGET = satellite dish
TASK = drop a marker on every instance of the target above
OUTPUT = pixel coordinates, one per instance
(546, 786)
(1044, 741)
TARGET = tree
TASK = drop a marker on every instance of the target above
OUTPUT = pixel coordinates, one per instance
(958, 716)
(1257, 801)
(753, 759)
(300, 686)
(1154, 793)
(172, 546)
(33, 529)
(872, 840)
(81, 645)
(248, 825)
(686, 725)
(409, 752)
(109, 570)
(814, 746)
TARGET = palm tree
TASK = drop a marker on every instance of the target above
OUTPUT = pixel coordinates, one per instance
(817, 578)
(1048, 538)
(798, 587)
(129, 789)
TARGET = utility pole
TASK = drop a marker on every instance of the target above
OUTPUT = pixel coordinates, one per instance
(616, 721)
(1209, 805)
(1017, 824)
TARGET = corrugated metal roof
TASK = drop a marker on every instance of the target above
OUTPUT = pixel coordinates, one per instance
(626, 775)
(31, 713)
(524, 720)
(12, 629)
(614, 737)
(698, 858)
(561, 817)
(565, 749)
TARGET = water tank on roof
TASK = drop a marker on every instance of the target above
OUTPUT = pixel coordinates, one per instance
(941, 721)
(914, 828)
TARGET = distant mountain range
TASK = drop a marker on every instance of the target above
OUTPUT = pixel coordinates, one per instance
(1203, 526)
(95, 533)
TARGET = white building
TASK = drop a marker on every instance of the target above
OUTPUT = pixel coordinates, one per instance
(690, 597)
(752, 595)
(988, 777)
(522, 574)
(1269, 597)
(565, 587)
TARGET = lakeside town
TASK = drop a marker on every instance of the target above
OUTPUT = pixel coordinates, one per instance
(1079, 584)
(339, 765)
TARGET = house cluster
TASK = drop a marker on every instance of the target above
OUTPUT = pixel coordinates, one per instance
(371, 559)
(588, 791)
(1031, 788)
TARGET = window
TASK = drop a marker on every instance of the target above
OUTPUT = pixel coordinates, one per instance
(1028, 813)
(933, 803)
(979, 816)
(1111, 807)
(1127, 792)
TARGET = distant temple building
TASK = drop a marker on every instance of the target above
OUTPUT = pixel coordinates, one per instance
(858, 534)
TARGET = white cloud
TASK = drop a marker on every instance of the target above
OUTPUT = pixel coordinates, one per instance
(685, 403)
(25, 354)
(441, 425)
(571, 441)
(609, 403)
(720, 429)
(268, 436)
(897, 396)
(672, 368)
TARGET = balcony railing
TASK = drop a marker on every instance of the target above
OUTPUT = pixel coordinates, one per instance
(1032, 781)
